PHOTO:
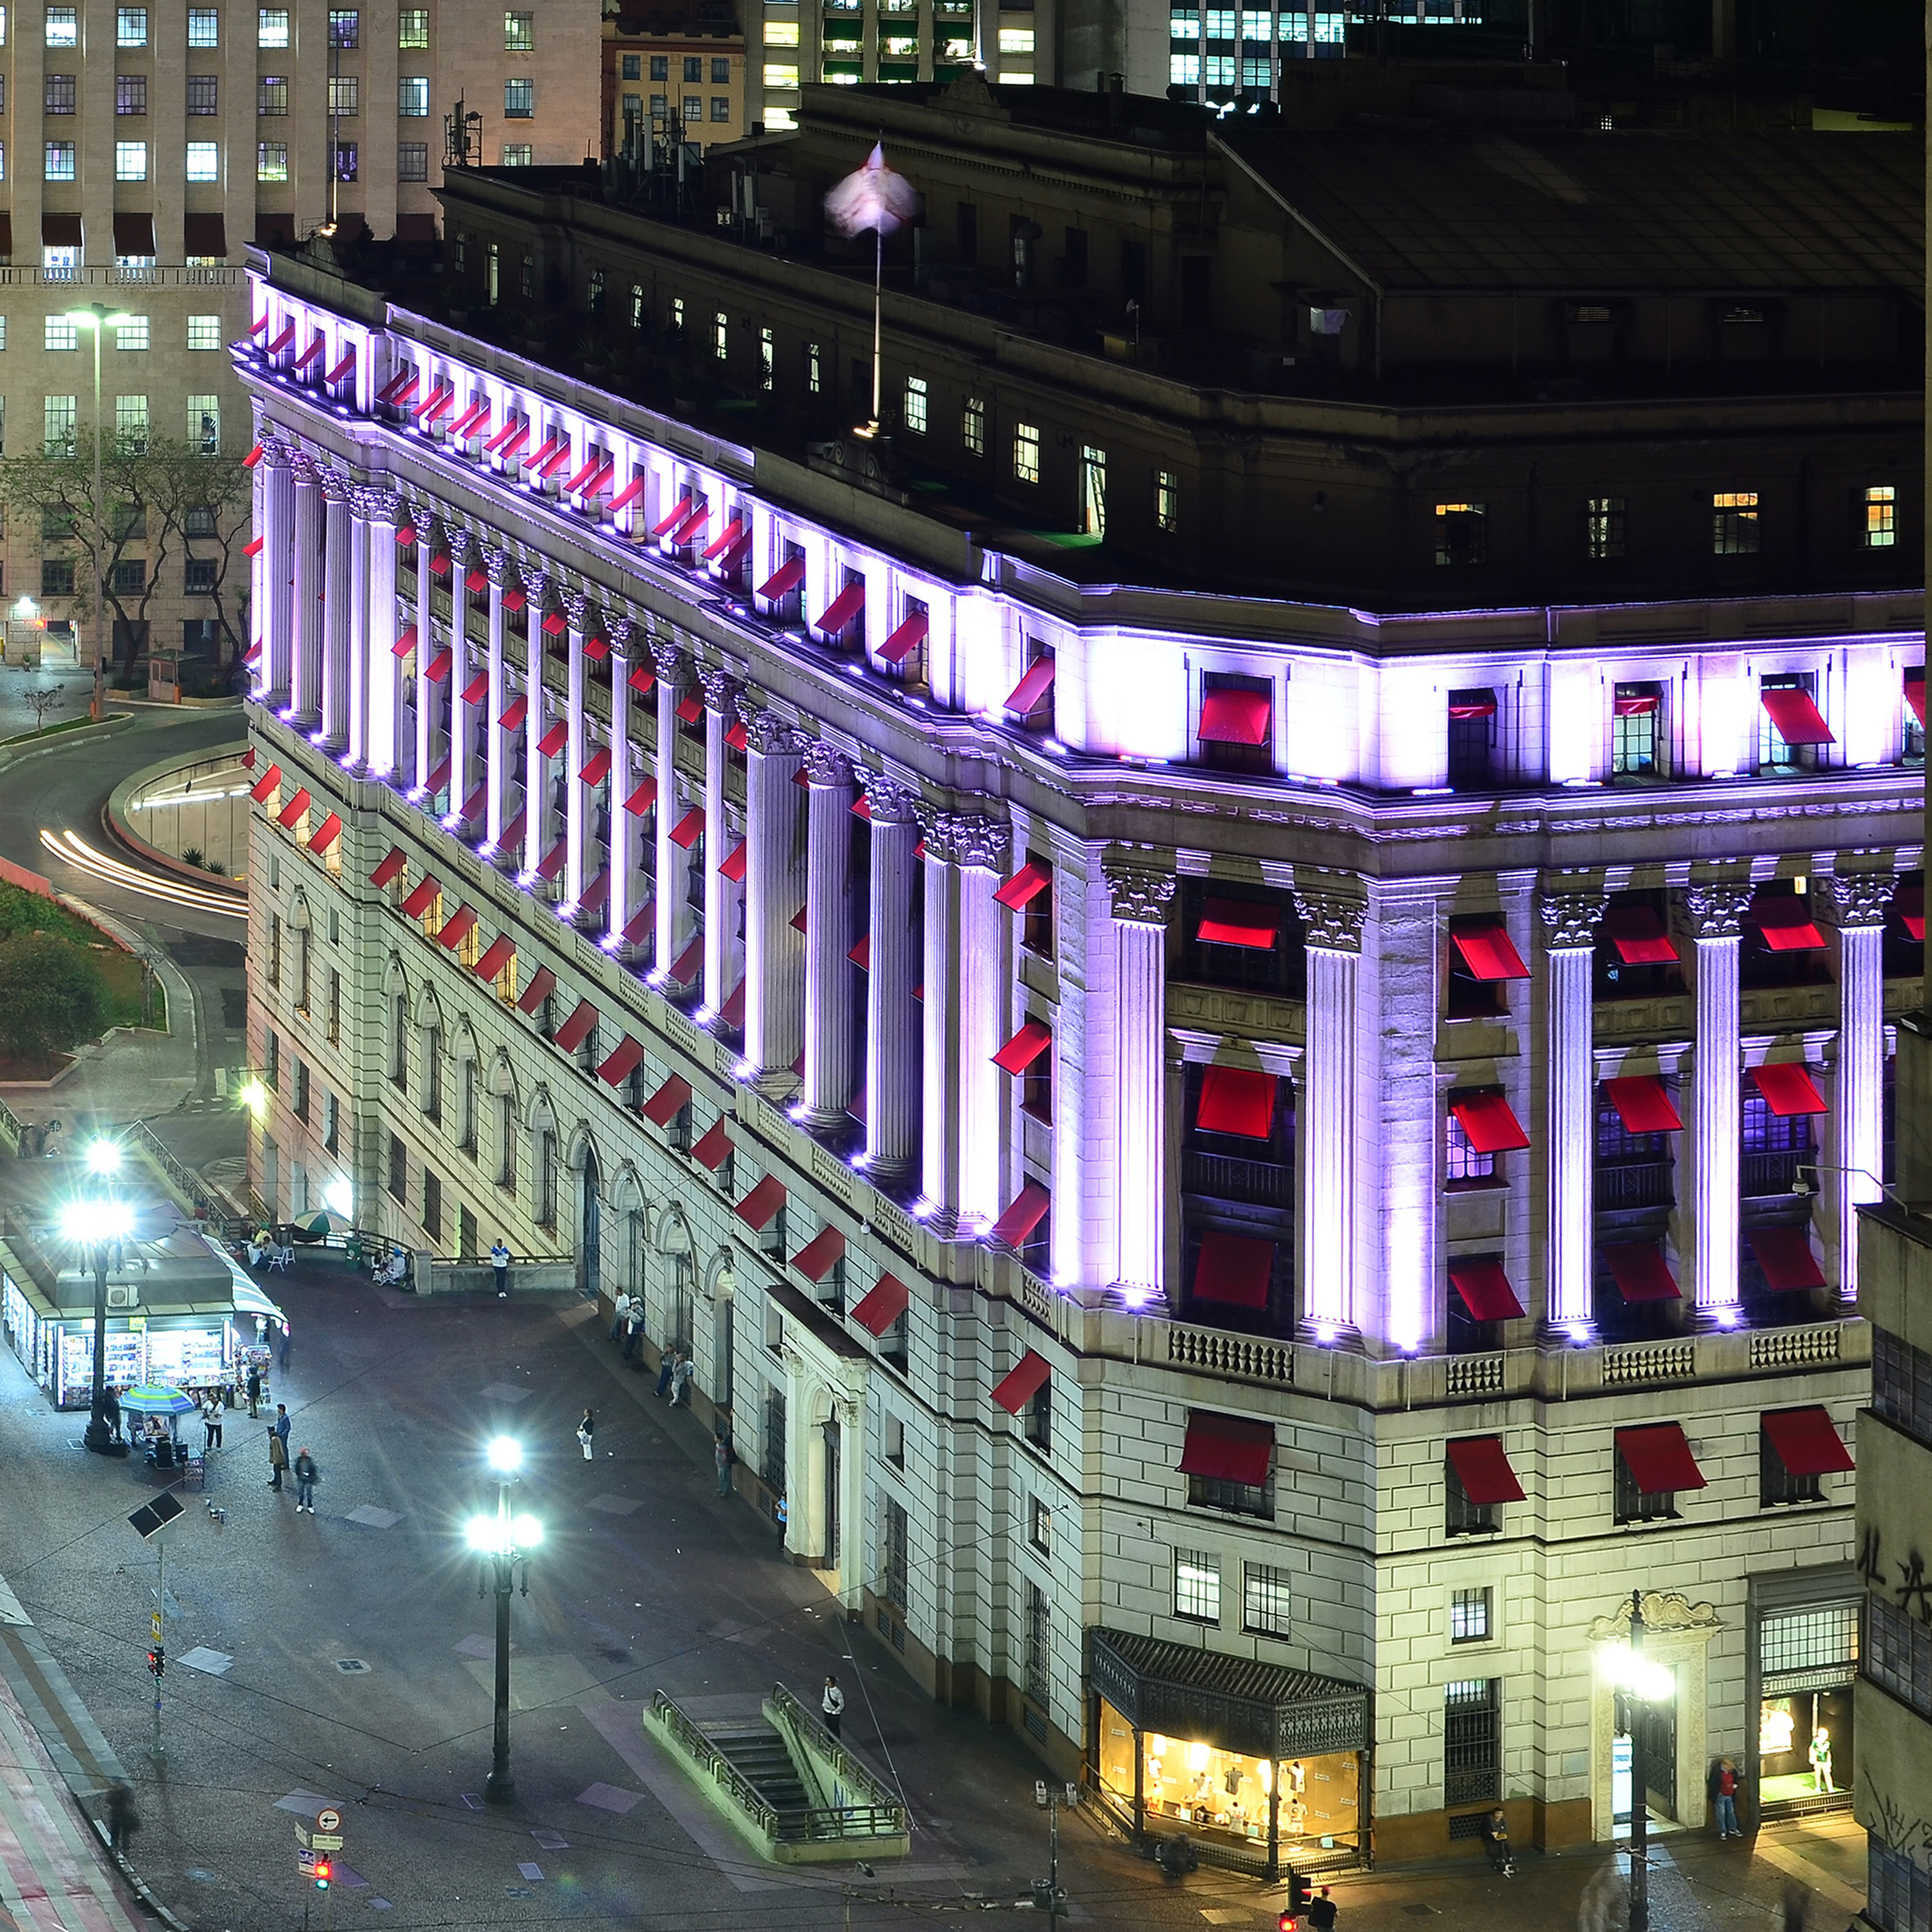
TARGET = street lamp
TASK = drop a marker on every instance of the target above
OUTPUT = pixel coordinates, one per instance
(97, 317)
(1642, 1684)
(502, 1541)
(97, 1227)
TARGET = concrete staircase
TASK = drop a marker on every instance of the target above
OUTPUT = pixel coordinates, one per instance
(761, 1757)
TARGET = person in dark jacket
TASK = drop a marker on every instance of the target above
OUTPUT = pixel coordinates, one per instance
(306, 1475)
(1496, 1843)
(122, 1822)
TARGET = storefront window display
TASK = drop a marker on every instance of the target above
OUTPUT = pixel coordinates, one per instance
(1807, 1659)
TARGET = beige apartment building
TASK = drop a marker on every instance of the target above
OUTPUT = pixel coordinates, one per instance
(143, 147)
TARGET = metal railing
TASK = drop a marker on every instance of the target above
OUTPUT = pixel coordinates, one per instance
(880, 1817)
(709, 1759)
(24, 277)
(182, 1178)
(11, 1126)
(1762, 1174)
(1634, 1183)
(1263, 1183)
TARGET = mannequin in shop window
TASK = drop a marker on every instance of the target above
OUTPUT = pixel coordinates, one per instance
(1821, 1760)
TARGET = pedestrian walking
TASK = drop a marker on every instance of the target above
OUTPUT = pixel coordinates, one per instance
(254, 1392)
(831, 1704)
(210, 1421)
(586, 1432)
(634, 1327)
(288, 1339)
(681, 1381)
(620, 1315)
(278, 1460)
(307, 1476)
(720, 1455)
(666, 1369)
(499, 1260)
(783, 1513)
(1723, 1795)
(282, 1424)
(122, 1820)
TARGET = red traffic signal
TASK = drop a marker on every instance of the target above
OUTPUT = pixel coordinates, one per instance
(1286, 1923)
(324, 1871)
(157, 1661)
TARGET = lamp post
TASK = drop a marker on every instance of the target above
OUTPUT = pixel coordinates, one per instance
(1643, 1684)
(97, 317)
(503, 1541)
(97, 1227)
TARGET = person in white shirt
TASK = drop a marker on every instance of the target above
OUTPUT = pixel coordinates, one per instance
(833, 1705)
(623, 1314)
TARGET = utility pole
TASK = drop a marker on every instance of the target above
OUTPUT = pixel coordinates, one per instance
(1047, 1896)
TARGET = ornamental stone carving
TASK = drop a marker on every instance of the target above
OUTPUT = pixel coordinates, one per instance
(766, 732)
(826, 764)
(1570, 920)
(1712, 912)
(890, 803)
(536, 584)
(576, 608)
(1854, 899)
(669, 660)
(336, 486)
(497, 565)
(1329, 920)
(1140, 897)
(617, 633)
(374, 504)
(1663, 1610)
(720, 688)
(966, 839)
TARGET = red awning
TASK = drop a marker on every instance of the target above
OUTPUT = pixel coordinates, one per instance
(1034, 686)
(515, 601)
(560, 461)
(814, 1260)
(259, 790)
(629, 494)
(1788, 1089)
(1643, 1104)
(1486, 948)
(861, 954)
(1807, 1443)
(1467, 704)
(600, 479)
(494, 446)
(1235, 717)
(1021, 1383)
(724, 539)
(576, 1030)
(457, 928)
(420, 900)
(596, 892)
(438, 774)
(596, 650)
(877, 1310)
(1236, 1100)
(1227, 1448)
(691, 707)
(1233, 1271)
(1024, 1048)
(551, 863)
(468, 424)
(544, 455)
(1798, 720)
(1785, 1255)
(1785, 923)
(553, 740)
(1658, 1456)
(692, 527)
(732, 866)
(732, 1012)
(690, 963)
(789, 575)
(326, 833)
(906, 639)
(1639, 704)
(689, 829)
(1480, 1463)
(592, 463)
(841, 611)
(1024, 1214)
(641, 922)
(439, 566)
(516, 435)
(437, 669)
(392, 865)
(476, 581)
(439, 407)
(1915, 693)
(248, 759)
(253, 457)
(342, 368)
(514, 713)
(624, 1060)
(670, 521)
(738, 738)
(668, 1101)
(1024, 887)
(253, 549)
(477, 689)
(282, 340)
(1235, 923)
(500, 952)
(411, 381)
(406, 643)
(597, 768)
(542, 985)
(712, 1148)
(1909, 902)
(1640, 1271)
(1486, 1291)
(764, 1200)
(641, 800)
(256, 327)
(1639, 936)
(1487, 1121)
(555, 625)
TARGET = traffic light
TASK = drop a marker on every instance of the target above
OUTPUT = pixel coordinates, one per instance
(324, 1871)
(157, 1661)
(1297, 1902)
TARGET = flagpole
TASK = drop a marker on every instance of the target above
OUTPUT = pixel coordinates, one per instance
(878, 279)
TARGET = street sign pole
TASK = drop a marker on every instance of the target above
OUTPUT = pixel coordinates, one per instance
(158, 1750)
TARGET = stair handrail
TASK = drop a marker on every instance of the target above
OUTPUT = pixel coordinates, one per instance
(884, 1814)
(721, 1769)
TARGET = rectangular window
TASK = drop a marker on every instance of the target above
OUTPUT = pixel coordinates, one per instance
(345, 27)
(399, 1170)
(204, 163)
(57, 418)
(1166, 501)
(915, 404)
(130, 26)
(271, 27)
(204, 424)
(898, 1549)
(1734, 522)
(768, 359)
(634, 63)
(413, 160)
(1267, 1606)
(1629, 1504)
(1255, 1499)
(694, 66)
(343, 92)
(271, 161)
(332, 1122)
(59, 94)
(1026, 453)
(1464, 1161)
(1040, 1646)
(720, 335)
(693, 107)
(204, 27)
(973, 426)
(1040, 1528)
(299, 1100)
(720, 107)
(432, 1213)
(1462, 1517)
(1197, 1586)
(1902, 1385)
(721, 70)
(56, 576)
(131, 94)
(781, 76)
(130, 423)
(1603, 528)
(412, 29)
(660, 67)
(271, 1069)
(520, 97)
(1461, 536)
(517, 154)
(130, 160)
(519, 33)
(1469, 1615)
(412, 96)
(1092, 492)
(272, 94)
(1472, 1761)
(203, 94)
(815, 369)
(1016, 40)
(60, 163)
(131, 332)
(199, 575)
(1638, 709)
(1878, 507)
(345, 161)
(60, 331)
(63, 27)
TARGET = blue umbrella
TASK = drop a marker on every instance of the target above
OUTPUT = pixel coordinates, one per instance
(154, 1399)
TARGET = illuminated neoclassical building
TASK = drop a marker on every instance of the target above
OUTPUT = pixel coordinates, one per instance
(1249, 1168)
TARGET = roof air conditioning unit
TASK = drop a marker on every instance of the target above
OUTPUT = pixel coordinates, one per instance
(124, 1294)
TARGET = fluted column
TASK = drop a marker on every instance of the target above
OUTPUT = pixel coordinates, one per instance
(979, 846)
(1715, 915)
(1140, 900)
(721, 895)
(774, 950)
(623, 838)
(671, 879)
(462, 732)
(828, 938)
(535, 809)
(384, 674)
(939, 1032)
(337, 612)
(425, 624)
(892, 1013)
(1570, 926)
(498, 744)
(277, 532)
(576, 751)
(305, 684)
(1329, 1117)
(1856, 904)
(355, 754)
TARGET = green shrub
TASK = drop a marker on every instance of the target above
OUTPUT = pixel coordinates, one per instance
(52, 996)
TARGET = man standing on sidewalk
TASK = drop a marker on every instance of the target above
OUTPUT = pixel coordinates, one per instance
(282, 1426)
(278, 1460)
(721, 1455)
(499, 1260)
(832, 1705)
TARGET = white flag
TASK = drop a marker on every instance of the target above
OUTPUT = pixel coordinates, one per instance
(871, 197)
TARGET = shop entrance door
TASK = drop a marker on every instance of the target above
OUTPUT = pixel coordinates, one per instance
(1656, 1725)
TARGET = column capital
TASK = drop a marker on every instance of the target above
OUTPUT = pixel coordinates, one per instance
(497, 564)
(536, 586)
(336, 487)
(825, 764)
(671, 661)
(308, 472)
(766, 732)
(617, 635)
(966, 839)
(890, 802)
(1330, 920)
(277, 452)
(576, 608)
(1139, 897)
(720, 688)
(1716, 912)
(1571, 918)
(373, 504)
(1851, 900)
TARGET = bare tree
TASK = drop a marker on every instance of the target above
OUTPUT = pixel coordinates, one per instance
(42, 699)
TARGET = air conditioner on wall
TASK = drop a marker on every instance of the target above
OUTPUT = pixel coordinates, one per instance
(124, 1294)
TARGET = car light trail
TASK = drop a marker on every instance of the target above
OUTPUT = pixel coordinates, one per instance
(76, 850)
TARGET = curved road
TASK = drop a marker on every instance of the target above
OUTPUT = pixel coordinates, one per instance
(65, 789)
